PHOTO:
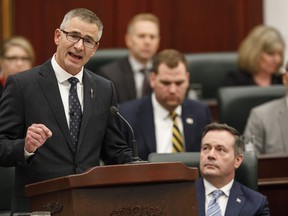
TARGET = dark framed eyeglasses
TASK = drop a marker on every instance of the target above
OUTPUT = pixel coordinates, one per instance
(74, 37)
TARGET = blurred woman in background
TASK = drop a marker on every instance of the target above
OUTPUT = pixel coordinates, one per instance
(16, 55)
(260, 57)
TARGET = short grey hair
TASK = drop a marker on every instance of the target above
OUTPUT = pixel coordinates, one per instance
(84, 15)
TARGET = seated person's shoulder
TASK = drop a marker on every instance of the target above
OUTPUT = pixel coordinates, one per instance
(252, 194)
(112, 66)
(237, 77)
(130, 106)
(267, 107)
(277, 78)
(195, 103)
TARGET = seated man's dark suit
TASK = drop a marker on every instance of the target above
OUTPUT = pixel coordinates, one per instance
(139, 113)
(242, 201)
(122, 76)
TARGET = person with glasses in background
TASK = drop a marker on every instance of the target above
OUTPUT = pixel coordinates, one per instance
(55, 118)
(16, 55)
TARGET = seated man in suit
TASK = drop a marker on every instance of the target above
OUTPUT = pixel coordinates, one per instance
(130, 74)
(151, 116)
(217, 191)
(267, 124)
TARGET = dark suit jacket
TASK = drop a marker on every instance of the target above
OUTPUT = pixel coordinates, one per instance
(121, 74)
(242, 201)
(34, 97)
(139, 114)
(1, 89)
(241, 77)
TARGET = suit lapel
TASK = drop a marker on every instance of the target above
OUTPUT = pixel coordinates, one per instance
(147, 124)
(128, 79)
(200, 193)
(187, 120)
(236, 200)
(89, 101)
(49, 87)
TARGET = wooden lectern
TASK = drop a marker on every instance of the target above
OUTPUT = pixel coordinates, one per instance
(129, 189)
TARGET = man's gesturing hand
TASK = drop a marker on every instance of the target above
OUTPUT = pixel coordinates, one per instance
(36, 136)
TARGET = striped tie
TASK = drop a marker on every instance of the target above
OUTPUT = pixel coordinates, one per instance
(213, 206)
(177, 138)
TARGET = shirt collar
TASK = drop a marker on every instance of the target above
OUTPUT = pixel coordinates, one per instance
(162, 113)
(63, 75)
(137, 66)
(209, 188)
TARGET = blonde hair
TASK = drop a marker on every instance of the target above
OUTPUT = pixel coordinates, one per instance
(260, 39)
(142, 17)
(21, 42)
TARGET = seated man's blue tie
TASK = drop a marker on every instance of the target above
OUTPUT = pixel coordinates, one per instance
(213, 206)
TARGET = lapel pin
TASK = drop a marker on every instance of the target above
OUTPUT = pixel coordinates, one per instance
(238, 200)
(189, 120)
(91, 93)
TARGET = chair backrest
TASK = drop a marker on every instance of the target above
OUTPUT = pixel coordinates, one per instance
(208, 70)
(6, 189)
(235, 103)
(246, 174)
(104, 56)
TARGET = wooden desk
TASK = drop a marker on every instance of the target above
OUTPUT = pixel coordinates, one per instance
(145, 188)
(273, 181)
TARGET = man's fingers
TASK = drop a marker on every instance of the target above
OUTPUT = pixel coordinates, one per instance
(36, 136)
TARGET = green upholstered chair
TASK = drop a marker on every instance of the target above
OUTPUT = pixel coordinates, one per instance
(104, 56)
(247, 173)
(6, 189)
(208, 70)
(235, 103)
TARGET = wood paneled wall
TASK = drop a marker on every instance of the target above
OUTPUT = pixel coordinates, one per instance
(187, 25)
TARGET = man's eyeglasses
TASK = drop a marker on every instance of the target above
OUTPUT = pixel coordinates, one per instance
(74, 37)
(14, 59)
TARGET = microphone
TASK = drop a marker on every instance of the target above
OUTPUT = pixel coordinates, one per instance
(114, 110)
(71, 113)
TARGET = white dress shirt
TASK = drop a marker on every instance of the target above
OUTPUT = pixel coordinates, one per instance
(222, 200)
(64, 86)
(138, 76)
(163, 126)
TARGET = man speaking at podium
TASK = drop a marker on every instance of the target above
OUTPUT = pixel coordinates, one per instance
(55, 119)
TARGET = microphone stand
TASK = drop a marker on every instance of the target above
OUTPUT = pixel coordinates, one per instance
(135, 156)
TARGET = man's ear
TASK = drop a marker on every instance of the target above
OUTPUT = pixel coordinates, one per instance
(152, 79)
(238, 161)
(57, 36)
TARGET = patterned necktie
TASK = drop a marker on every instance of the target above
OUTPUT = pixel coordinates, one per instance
(213, 206)
(177, 138)
(74, 110)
